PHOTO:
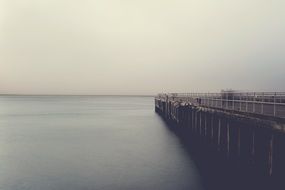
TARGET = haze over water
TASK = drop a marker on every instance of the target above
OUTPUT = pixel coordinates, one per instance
(90, 142)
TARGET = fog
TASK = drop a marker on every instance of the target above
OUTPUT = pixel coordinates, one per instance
(141, 47)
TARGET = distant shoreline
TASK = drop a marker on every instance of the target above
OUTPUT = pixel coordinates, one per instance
(74, 95)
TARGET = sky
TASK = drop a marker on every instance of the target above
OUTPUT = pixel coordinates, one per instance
(141, 46)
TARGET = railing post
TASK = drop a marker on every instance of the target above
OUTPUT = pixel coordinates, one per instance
(246, 102)
(221, 100)
(240, 102)
(216, 100)
(274, 105)
(227, 101)
(262, 103)
(253, 103)
(233, 101)
(208, 100)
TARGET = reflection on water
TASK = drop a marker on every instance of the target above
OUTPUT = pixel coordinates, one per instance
(89, 142)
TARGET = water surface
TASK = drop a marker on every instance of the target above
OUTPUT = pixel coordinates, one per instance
(88, 143)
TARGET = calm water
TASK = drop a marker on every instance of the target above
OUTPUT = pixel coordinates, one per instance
(89, 142)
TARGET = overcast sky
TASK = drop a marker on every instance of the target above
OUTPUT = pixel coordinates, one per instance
(141, 46)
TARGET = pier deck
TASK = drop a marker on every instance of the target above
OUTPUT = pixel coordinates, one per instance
(243, 126)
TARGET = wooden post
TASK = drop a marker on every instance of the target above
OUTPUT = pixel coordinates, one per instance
(212, 127)
(196, 122)
(219, 133)
(270, 158)
(238, 141)
(192, 121)
(205, 125)
(200, 123)
(228, 138)
(253, 146)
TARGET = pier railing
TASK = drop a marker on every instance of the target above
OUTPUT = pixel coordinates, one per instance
(263, 103)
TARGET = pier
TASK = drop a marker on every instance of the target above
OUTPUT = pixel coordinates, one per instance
(247, 128)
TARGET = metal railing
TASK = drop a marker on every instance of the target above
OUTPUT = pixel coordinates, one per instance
(263, 103)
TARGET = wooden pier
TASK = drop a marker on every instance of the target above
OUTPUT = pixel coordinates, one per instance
(245, 127)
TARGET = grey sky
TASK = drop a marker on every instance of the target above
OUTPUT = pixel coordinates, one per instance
(141, 46)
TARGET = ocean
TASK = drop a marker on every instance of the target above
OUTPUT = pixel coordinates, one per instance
(90, 143)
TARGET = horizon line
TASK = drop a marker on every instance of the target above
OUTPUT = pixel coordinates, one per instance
(148, 95)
